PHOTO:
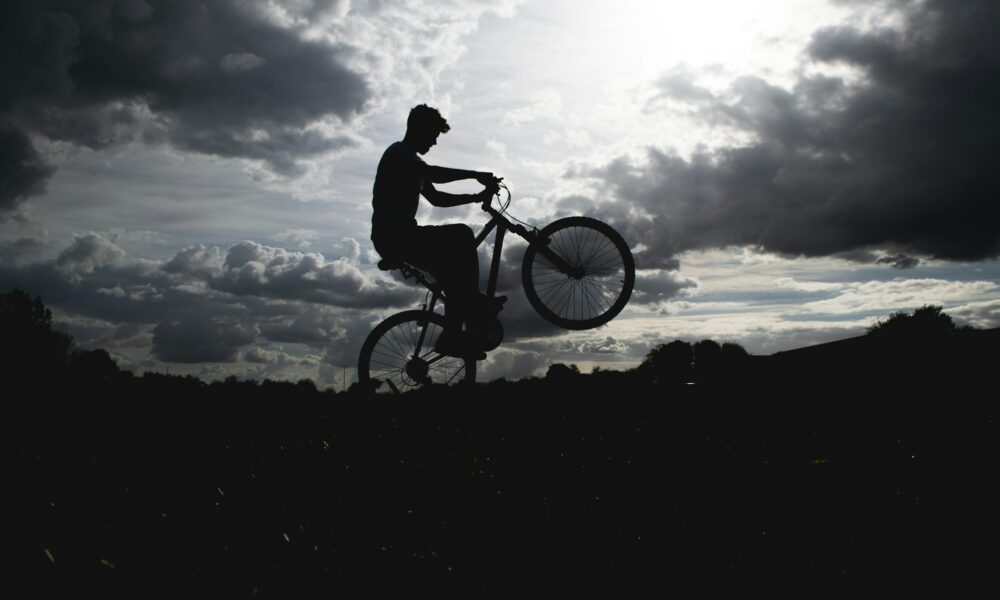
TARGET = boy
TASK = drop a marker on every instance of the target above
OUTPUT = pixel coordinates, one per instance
(448, 252)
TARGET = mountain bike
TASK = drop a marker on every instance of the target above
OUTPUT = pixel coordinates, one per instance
(577, 273)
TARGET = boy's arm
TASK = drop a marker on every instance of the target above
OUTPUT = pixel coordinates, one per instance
(445, 200)
(447, 175)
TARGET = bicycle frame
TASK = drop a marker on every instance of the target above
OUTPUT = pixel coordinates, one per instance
(502, 225)
(413, 366)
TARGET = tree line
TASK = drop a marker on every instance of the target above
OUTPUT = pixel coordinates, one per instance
(32, 351)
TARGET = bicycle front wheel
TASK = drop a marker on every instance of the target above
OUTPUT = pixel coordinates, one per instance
(398, 355)
(599, 283)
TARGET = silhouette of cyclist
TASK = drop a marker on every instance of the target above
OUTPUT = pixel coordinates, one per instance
(447, 252)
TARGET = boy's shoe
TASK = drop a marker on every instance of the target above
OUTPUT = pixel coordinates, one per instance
(491, 305)
(459, 344)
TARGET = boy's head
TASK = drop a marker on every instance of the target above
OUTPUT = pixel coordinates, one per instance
(423, 127)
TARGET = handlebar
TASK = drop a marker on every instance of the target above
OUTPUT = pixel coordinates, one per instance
(498, 182)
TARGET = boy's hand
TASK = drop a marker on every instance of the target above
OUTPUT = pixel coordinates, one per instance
(485, 195)
(486, 178)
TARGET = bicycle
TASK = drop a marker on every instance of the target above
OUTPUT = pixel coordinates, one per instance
(577, 273)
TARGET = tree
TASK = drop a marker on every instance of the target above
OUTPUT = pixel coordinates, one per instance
(93, 365)
(734, 351)
(561, 372)
(734, 361)
(671, 363)
(926, 322)
(918, 346)
(706, 360)
(27, 342)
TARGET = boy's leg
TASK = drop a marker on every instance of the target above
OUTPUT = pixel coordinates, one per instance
(448, 252)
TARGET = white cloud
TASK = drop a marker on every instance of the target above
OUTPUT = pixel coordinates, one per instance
(885, 296)
(302, 238)
(789, 283)
(251, 268)
(983, 314)
(511, 365)
(88, 252)
(544, 104)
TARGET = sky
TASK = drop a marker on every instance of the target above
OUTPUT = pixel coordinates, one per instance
(188, 185)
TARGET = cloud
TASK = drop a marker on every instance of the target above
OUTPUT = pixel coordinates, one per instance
(589, 346)
(900, 294)
(243, 61)
(898, 261)
(608, 345)
(262, 355)
(279, 82)
(790, 283)
(303, 238)
(544, 104)
(23, 173)
(201, 339)
(656, 286)
(511, 365)
(983, 314)
(100, 333)
(253, 269)
(218, 78)
(195, 307)
(898, 159)
(764, 333)
(87, 253)
(198, 261)
(13, 252)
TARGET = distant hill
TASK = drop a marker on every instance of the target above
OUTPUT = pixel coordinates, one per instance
(963, 360)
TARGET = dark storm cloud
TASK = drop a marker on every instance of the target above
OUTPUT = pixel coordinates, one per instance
(901, 163)
(215, 77)
(898, 261)
(344, 345)
(23, 173)
(655, 286)
(201, 339)
(20, 250)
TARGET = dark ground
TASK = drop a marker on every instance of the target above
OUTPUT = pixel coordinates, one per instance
(596, 488)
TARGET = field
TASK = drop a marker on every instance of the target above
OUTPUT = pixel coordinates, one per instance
(597, 486)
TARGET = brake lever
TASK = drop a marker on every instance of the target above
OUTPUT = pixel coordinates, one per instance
(486, 203)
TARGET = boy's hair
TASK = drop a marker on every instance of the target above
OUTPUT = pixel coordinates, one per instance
(425, 118)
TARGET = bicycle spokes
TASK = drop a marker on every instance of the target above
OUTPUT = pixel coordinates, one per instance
(582, 277)
(400, 352)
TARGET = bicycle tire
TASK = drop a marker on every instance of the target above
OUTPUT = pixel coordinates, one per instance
(605, 283)
(388, 351)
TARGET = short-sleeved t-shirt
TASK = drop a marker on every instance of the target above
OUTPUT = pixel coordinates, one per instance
(396, 193)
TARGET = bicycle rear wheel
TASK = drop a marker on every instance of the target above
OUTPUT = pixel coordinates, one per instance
(398, 355)
(600, 284)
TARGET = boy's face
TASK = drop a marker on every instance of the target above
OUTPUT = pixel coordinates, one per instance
(426, 140)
